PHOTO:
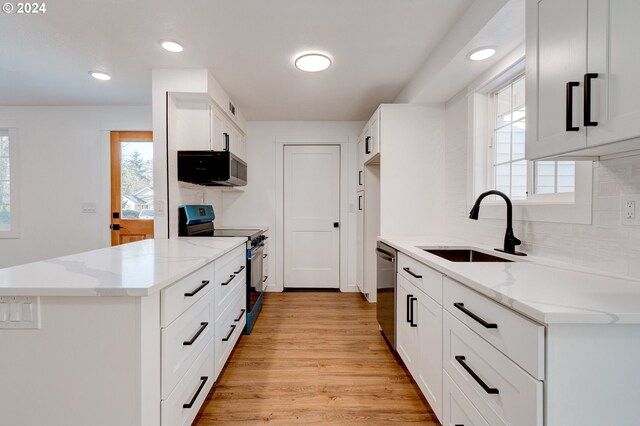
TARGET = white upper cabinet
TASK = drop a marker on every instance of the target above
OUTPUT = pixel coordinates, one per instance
(614, 54)
(372, 138)
(582, 59)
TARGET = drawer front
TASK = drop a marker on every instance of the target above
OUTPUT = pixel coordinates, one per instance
(180, 296)
(503, 393)
(183, 404)
(425, 278)
(184, 339)
(458, 410)
(228, 330)
(231, 272)
(515, 336)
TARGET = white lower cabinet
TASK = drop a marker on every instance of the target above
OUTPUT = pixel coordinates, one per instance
(502, 392)
(419, 340)
(457, 410)
(228, 330)
(204, 316)
(182, 406)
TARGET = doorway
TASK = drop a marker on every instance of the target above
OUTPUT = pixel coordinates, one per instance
(311, 216)
(131, 187)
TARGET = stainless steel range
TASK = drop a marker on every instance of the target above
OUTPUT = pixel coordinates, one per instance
(197, 221)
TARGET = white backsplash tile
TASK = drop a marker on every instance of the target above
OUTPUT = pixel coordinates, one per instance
(606, 244)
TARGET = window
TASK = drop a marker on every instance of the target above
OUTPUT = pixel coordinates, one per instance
(511, 173)
(544, 191)
(5, 182)
(8, 185)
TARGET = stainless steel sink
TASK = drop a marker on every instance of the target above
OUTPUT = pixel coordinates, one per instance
(465, 255)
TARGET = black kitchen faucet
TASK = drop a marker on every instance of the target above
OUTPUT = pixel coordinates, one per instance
(510, 241)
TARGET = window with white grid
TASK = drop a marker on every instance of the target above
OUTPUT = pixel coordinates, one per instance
(511, 173)
(5, 182)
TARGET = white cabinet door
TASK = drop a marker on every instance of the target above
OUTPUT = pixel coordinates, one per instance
(372, 138)
(360, 243)
(556, 55)
(360, 162)
(614, 54)
(428, 316)
(406, 333)
(217, 142)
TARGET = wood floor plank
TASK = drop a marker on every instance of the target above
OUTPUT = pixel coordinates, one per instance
(317, 359)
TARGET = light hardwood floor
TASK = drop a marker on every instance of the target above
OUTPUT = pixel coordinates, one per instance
(315, 358)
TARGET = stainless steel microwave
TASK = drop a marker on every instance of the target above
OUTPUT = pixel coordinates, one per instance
(211, 168)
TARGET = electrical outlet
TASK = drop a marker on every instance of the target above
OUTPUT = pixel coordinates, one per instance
(628, 214)
(19, 312)
(89, 207)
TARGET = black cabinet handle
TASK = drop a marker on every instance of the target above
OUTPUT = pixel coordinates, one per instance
(203, 381)
(569, 103)
(410, 272)
(239, 270)
(359, 202)
(194, 292)
(226, 141)
(203, 325)
(265, 278)
(464, 365)
(242, 311)
(474, 316)
(587, 99)
(367, 150)
(231, 277)
(264, 256)
(360, 177)
(409, 296)
(412, 311)
(233, 327)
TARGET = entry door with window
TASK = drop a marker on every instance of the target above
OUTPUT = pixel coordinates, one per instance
(311, 216)
(131, 187)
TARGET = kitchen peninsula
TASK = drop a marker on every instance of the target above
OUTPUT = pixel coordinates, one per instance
(126, 335)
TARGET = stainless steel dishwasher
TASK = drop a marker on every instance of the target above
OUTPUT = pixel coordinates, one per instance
(386, 291)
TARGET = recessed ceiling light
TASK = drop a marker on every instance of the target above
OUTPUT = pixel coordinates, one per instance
(99, 75)
(481, 54)
(172, 46)
(313, 62)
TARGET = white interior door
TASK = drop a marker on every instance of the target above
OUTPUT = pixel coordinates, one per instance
(311, 207)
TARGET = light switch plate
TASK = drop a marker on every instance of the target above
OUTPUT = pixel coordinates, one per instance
(89, 207)
(19, 312)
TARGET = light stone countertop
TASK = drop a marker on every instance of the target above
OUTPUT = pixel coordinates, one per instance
(135, 269)
(544, 290)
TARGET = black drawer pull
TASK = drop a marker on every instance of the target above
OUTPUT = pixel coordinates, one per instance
(360, 177)
(231, 277)
(410, 272)
(242, 311)
(485, 324)
(464, 365)
(264, 256)
(193, 292)
(367, 150)
(239, 270)
(265, 278)
(203, 381)
(412, 311)
(203, 325)
(409, 296)
(224, 339)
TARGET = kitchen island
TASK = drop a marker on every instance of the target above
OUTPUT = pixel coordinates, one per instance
(128, 335)
(518, 341)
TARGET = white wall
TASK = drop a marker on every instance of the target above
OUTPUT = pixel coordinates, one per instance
(256, 205)
(64, 162)
(604, 245)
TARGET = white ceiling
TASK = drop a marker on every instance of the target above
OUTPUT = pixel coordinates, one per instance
(249, 45)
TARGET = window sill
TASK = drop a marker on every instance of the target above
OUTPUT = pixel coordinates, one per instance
(537, 211)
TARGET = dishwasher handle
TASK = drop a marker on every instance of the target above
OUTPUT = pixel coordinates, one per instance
(385, 255)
